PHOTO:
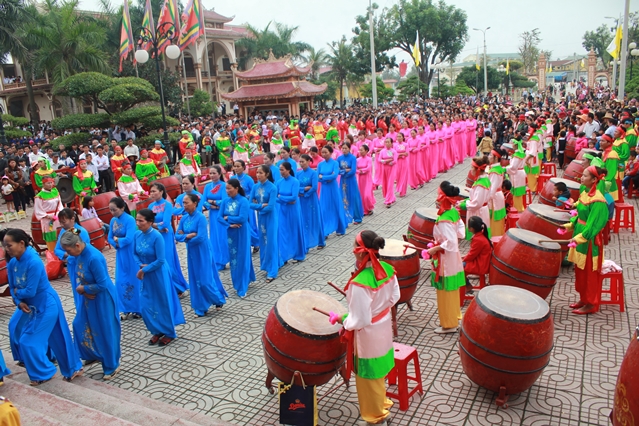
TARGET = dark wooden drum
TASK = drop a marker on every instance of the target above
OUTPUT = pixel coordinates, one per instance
(255, 162)
(96, 233)
(297, 338)
(420, 227)
(172, 186)
(101, 205)
(405, 260)
(4, 279)
(520, 260)
(580, 155)
(574, 170)
(570, 152)
(510, 148)
(625, 410)
(546, 220)
(506, 339)
(545, 196)
(36, 230)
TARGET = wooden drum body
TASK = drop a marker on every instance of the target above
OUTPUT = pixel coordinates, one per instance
(538, 218)
(36, 230)
(256, 161)
(520, 260)
(405, 260)
(545, 196)
(101, 205)
(96, 233)
(569, 152)
(574, 170)
(625, 410)
(506, 339)
(580, 155)
(172, 186)
(420, 227)
(297, 338)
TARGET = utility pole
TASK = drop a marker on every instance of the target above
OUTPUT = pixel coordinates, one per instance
(485, 69)
(373, 74)
(624, 53)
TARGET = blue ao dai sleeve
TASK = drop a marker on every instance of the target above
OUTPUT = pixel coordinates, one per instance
(158, 248)
(180, 237)
(129, 232)
(201, 230)
(272, 199)
(98, 268)
(167, 216)
(242, 214)
(294, 184)
(254, 204)
(110, 236)
(178, 210)
(220, 217)
(58, 250)
(352, 164)
(32, 279)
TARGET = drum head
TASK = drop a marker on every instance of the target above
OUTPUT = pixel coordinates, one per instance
(513, 304)
(532, 239)
(570, 184)
(427, 213)
(580, 162)
(295, 309)
(395, 248)
(549, 212)
(464, 192)
(508, 146)
(65, 188)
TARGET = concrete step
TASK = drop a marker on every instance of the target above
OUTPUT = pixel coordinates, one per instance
(29, 417)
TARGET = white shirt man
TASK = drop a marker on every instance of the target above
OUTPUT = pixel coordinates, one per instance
(131, 150)
(101, 162)
(591, 127)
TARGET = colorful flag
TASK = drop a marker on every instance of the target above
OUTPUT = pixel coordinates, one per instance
(477, 59)
(126, 36)
(615, 45)
(417, 54)
(169, 15)
(192, 28)
(147, 22)
(403, 67)
(507, 66)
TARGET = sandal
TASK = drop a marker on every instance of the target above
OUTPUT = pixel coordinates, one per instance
(135, 316)
(38, 382)
(269, 280)
(112, 375)
(155, 339)
(165, 341)
(75, 374)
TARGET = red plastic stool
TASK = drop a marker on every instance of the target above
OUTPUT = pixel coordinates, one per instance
(619, 192)
(399, 375)
(632, 191)
(624, 221)
(550, 168)
(616, 289)
(605, 233)
(528, 198)
(463, 297)
(541, 181)
(512, 219)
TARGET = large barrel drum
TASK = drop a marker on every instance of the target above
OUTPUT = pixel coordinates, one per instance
(96, 233)
(4, 279)
(545, 196)
(545, 220)
(570, 152)
(574, 170)
(297, 338)
(36, 230)
(510, 148)
(255, 162)
(580, 155)
(172, 186)
(506, 339)
(625, 410)
(420, 227)
(405, 260)
(520, 260)
(101, 205)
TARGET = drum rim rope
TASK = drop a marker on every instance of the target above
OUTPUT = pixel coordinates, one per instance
(526, 243)
(500, 370)
(408, 277)
(524, 273)
(413, 231)
(521, 358)
(264, 336)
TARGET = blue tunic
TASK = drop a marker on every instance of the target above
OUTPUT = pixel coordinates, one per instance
(331, 202)
(163, 220)
(31, 335)
(126, 269)
(214, 193)
(237, 211)
(311, 212)
(291, 231)
(96, 326)
(349, 189)
(247, 184)
(206, 287)
(266, 193)
(275, 171)
(63, 255)
(178, 209)
(4, 371)
(289, 160)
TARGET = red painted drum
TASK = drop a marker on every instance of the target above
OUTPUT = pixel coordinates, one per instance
(580, 155)
(405, 260)
(545, 196)
(625, 411)
(570, 153)
(506, 339)
(520, 260)
(255, 162)
(546, 220)
(4, 279)
(96, 233)
(36, 230)
(510, 148)
(420, 227)
(101, 205)
(297, 338)
(574, 170)
(172, 186)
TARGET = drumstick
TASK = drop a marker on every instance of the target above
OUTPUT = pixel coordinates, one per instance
(411, 246)
(555, 241)
(342, 292)
(321, 311)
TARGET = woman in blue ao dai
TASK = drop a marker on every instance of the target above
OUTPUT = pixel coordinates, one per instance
(234, 216)
(349, 190)
(331, 202)
(263, 199)
(161, 309)
(309, 205)
(163, 223)
(214, 193)
(291, 231)
(206, 287)
(121, 234)
(96, 325)
(188, 187)
(239, 167)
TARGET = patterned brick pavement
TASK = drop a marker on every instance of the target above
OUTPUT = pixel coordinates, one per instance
(216, 366)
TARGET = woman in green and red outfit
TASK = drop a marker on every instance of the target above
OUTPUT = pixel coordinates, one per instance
(146, 170)
(46, 206)
(611, 160)
(83, 182)
(587, 250)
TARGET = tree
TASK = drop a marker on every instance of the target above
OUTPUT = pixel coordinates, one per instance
(410, 87)
(12, 13)
(361, 44)
(260, 42)
(331, 89)
(442, 31)
(473, 78)
(529, 50)
(318, 58)
(341, 60)
(598, 40)
(547, 54)
(200, 104)
(383, 93)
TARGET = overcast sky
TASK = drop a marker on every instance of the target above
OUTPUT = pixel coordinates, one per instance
(562, 23)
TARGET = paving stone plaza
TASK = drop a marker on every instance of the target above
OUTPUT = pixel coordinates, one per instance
(216, 366)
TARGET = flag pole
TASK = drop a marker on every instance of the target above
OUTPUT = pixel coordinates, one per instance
(206, 50)
(186, 87)
(136, 70)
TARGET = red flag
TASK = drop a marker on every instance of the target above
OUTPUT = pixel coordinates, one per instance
(403, 66)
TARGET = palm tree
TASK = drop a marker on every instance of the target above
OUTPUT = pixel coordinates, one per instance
(341, 60)
(286, 44)
(11, 15)
(318, 58)
(260, 42)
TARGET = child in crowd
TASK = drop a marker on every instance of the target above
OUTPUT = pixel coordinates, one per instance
(88, 212)
(7, 193)
(581, 142)
(632, 172)
(486, 144)
(477, 260)
(506, 186)
(561, 148)
(561, 195)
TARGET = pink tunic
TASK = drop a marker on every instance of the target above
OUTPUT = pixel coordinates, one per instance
(472, 140)
(432, 154)
(414, 176)
(388, 174)
(459, 141)
(424, 143)
(365, 182)
(449, 157)
(377, 146)
(127, 188)
(440, 150)
(42, 208)
(402, 170)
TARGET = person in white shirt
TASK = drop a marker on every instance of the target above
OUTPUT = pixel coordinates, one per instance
(65, 161)
(34, 154)
(86, 149)
(591, 127)
(131, 150)
(102, 163)
(91, 167)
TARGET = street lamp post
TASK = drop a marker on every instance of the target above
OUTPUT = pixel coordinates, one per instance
(166, 31)
(485, 69)
(632, 49)
(3, 136)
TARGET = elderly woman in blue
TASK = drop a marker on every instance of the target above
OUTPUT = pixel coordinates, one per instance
(163, 223)
(40, 314)
(206, 287)
(161, 309)
(291, 233)
(97, 324)
(330, 197)
(309, 205)
(69, 220)
(214, 193)
(239, 167)
(348, 185)
(234, 215)
(121, 233)
(263, 200)
(188, 187)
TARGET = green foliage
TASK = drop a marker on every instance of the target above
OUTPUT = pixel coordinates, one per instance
(632, 87)
(341, 60)
(155, 122)
(462, 89)
(383, 93)
(362, 46)
(200, 104)
(150, 139)
(170, 83)
(410, 86)
(529, 49)
(124, 96)
(261, 42)
(471, 77)
(84, 85)
(599, 40)
(519, 80)
(12, 121)
(77, 121)
(73, 138)
(135, 115)
(13, 133)
(331, 90)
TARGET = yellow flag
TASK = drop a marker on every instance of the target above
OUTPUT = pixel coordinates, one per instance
(417, 54)
(550, 68)
(507, 66)
(615, 45)
(477, 59)
(583, 63)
